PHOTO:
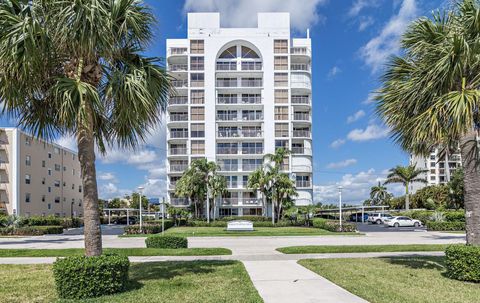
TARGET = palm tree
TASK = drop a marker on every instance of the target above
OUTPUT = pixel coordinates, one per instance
(76, 67)
(278, 157)
(378, 194)
(259, 180)
(218, 188)
(406, 175)
(284, 193)
(430, 95)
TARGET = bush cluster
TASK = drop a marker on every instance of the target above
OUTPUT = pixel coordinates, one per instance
(463, 262)
(248, 218)
(88, 277)
(166, 242)
(455, 216)
(149, 228)
(422, 215)
(446, 226)
(30, 230)
(334, 226)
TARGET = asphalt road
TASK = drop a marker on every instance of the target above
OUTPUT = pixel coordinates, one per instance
(372, 228)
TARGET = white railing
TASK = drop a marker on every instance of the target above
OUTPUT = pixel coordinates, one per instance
(241, 201)
(227, 117)
(228, 167)
(179, 201)
(227, 100)
(240, 133)
(252, 150)
(178, 151)
(197, 83)
(178, 50)
(179, 134)
(227, 83)
(180, 83)
(177, 67)
(178, 167)
(252, 83)
(301, 116)
(303, 184)
(178, 117)
(301, 84)
(178, 100)
(227, 150)
(300, 51)
(300, 67)
(301, 151)
(250, 167)
(301, 134)
(300, 100)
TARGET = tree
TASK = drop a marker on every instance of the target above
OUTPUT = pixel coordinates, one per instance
(379, 194)
(259, 180)
(76, 67)
(431, 197)
(430, 95)
(406, 175)
(135, 199)
(456, 189)
(218, 188)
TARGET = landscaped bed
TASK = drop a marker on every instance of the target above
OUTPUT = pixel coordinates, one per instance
(259, 231)
(199, 281)
(121, 251)
(313, 249)
(392, 280)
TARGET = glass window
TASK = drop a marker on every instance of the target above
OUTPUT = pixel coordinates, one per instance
(281, 63)
(198, 147)
(57, 167)
(196, 46)
(281, 96)
(27, 197)
(197, 63)
(280, 46)
(248, 53)
(197, 113)
(281, 144)
(28, 160)
(229, 53)
(281, 129)
(281, 113)
(28, 179)
(197, 79)
(281, 79)
(198, 130)
(197, 97)
(57, 199)
(56, 183)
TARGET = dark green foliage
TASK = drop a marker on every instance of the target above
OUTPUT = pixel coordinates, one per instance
(88, 277)
(149, 228)
(248, 218)
(422, 215)
(463, 262)
(446, 226)
(166, 242)
(455, 216)
(333, 226)
(30, 230)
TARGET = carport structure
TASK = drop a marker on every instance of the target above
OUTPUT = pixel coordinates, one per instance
(354, 209)
(119, 211)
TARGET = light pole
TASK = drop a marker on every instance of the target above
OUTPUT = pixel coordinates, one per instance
(340, 202)
(140, 188)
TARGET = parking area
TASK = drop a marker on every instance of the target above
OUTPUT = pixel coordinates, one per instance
(110, 230)
(369, 228)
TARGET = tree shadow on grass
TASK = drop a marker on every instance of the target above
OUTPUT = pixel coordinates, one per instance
(418, 262)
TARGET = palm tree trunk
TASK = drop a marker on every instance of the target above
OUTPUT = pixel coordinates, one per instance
(86, 156)
(407, 198)
(469, 148)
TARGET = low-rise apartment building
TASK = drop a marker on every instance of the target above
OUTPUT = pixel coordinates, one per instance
(38, 177)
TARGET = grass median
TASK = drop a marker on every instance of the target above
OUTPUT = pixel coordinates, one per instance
(4, 253)
(398, 279)
(314, 249)
(162, 282)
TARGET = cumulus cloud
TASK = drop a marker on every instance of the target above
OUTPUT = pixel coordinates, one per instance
(342, 164)
(356, 116)
(337, 143)
(333, 72)
(371, 132)
(243, 13)
(376, 52)
(106, 176)
(110, 190)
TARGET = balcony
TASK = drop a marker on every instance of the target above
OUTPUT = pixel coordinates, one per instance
(301, 84)
(301, 116)
(301, 151)
(179, 201)
(226, 66)
(227, 83)
(300, 67)
(177, 51)
(227, 117)
(301, 134)
(300, 100)
(178, 151)
(251, 66)
(178, 134)
(303, 184)
(178, 117)
(252, 150)
(228, 167)
(180, 83)
(300, 51)
(252, 83)
(227, 150)
(178, 167)
(178, 100)
(240, 134)
(241, 201)
(239, 100)
(251, 167)
(178, 67)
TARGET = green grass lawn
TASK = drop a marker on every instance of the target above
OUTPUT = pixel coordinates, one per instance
(259, 231)
(185, 282)
(360, 248)
(393, 280)
(122, 251)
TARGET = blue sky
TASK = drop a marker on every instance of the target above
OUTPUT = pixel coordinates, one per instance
(351, 40)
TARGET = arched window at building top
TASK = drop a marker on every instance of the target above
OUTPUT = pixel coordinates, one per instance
(229, 53)
(249, 53)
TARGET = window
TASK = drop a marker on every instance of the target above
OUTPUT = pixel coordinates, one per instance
(27, 197)
(281, 129)
(302, 181)
(249, 53)
(43, 198)
(196, 46)
(229, 53)
(43, 163)
(64, 168)
(281, 144)
(196, 63)
(197, 113)
(197, 79)
(43, 181)
(73, 157)
(73, 186)
(57, 199)
(49, 206)
(57, 167)
(281, 96)
(252, 148)
(56, 183)
(56, 150)
(280, 79)
(197, 97)
(79, 188)
(49, 171)
(73, 171)
(28, 141)
(280, 46)
(28, 160)
(198, 130)
(49, 155)
(281, 63)
(232, 181)
(281, 113)
(251, 164)
(49, 189)
(27, 179)
(198, 147)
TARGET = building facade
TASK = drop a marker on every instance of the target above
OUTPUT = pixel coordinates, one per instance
(37, 177)
(240, 94)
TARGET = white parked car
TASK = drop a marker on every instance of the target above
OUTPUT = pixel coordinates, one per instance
(378, 218)
(402, 222)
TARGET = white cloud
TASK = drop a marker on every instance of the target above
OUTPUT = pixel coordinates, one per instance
(364, 22)
(67, 141)
(342, 164)
(110, 191)
(359, 5)
(243, 13)
(370, 99)
(356, 116)
(106, 176)
(337, 143)
(376, 52)
(333, 72)
(371, 132)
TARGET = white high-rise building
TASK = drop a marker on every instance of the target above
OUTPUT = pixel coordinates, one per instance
(240, 93)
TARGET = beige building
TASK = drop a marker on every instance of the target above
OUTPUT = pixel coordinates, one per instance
(37, 177)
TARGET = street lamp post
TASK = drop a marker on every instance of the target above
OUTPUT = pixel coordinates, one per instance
(140, 189)
(340, 202)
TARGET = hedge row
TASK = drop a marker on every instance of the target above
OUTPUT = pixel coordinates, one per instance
(334, 226)
(166, 242)
(147, 228)
(87, 277)
(31, 230)
(220, 223)
(445, 226)
(463, 262)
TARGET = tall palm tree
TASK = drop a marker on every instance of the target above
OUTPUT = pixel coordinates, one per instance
(406, 175)
(218, 188)
(259, 180)
(285, 191)
(378, 194)
(430, 95)
(278, 157)
(76, 67)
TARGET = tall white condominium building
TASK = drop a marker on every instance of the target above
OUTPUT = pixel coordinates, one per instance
(240, 93)
(439, 167)
(38, 178)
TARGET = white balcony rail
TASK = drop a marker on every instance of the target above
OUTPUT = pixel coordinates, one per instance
(179, 134)
(177, 67)
(241, 201)
(252, 83)
(300, 100)
(178, 117)
(240, 133)
(301, 134)
(239, 100)
(227, 150)
(178, 151)
(250, 167)
(228, 167)
(301, 84)
(179, 201)
(252, 150)
(177, 100)
(180, 83)
(178, 51)
(300, 67)
(301, 116)
(227, 83)
(178, 167)
(303, 184)
(300, 51)
(227, 117)
(301, 151)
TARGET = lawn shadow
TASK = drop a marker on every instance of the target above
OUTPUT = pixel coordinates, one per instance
(418, 262)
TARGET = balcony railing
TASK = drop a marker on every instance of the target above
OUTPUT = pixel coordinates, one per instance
(227, 117)
(301, 116)
(180, 83)
(252, 117)
(240, 133)
(301, 151)
(252, 83)
(178, 51)
(252, 150)
(300, 67)
(178, 100)
(241, 201)
(179, 134)
(251, 65)
(178, 151)
(299, 51)
(251, 100)
(178, 167)
(301, 134)
(228, 167)
(301, 84)
(227, 83)
(239, 100)
(179, 201)
(300, 100)
(302, 184)
(178, 67)
(250, 167)
(226, 65)
(227, 150)
(232, 184)
(178, 117)
(227, 100)
(196, 83)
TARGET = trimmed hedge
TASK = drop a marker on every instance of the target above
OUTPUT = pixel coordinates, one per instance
(31, 230)
(455, 216)
(445, 226)
(463, 262)
(88, 277)
(147, 229)
(166, 242)
(334, 226)
(248, 218)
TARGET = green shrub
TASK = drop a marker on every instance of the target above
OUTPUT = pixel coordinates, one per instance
(87, 277)
(43, 221)
(248, 218)
(146, 229)
(422, 215)
(463, 262)
(446, 226)
(455, 216)
(333, 226)
(200, 223)
(30, 230)
(166, 242)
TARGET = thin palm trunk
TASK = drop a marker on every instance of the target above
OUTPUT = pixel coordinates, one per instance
(472, 188)
(86, 156)
(407, 197)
